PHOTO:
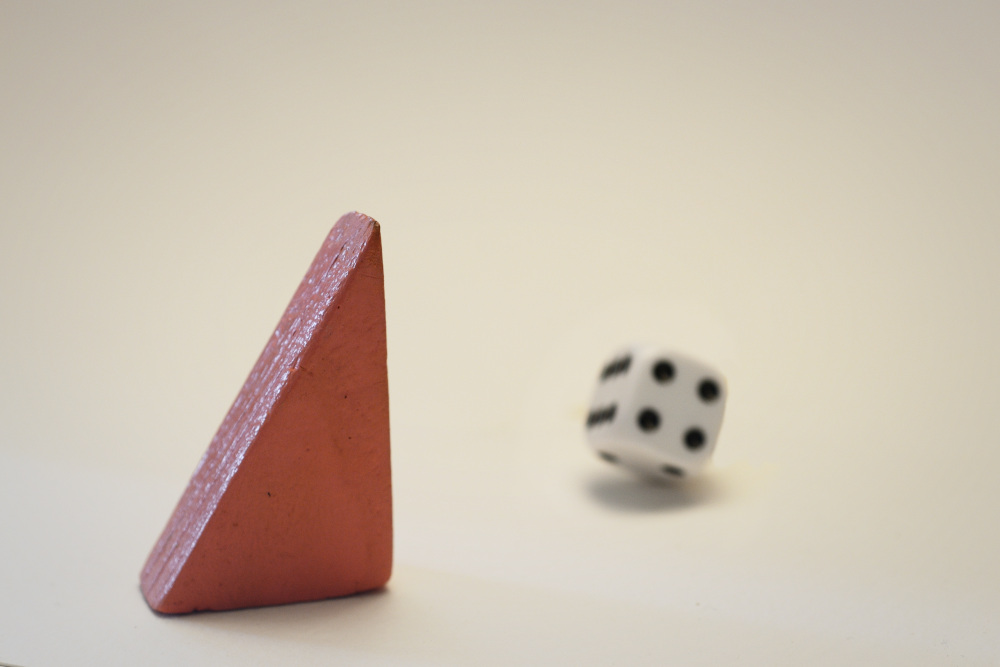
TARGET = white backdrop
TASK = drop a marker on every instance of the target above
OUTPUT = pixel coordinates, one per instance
(804, 195)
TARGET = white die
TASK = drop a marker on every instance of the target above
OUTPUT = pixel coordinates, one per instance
(656, 412)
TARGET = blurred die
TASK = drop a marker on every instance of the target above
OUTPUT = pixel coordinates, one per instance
(656, 412)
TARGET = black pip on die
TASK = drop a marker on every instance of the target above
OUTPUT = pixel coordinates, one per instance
(656, 412)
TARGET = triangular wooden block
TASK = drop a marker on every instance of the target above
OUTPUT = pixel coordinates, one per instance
(293, 501)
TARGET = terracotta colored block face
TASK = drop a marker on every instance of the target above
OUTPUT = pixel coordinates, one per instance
(293, 501)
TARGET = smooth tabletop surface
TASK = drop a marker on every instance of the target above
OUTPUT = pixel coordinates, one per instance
(805, 196)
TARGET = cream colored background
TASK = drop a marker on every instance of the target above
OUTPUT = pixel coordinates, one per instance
(806, 194)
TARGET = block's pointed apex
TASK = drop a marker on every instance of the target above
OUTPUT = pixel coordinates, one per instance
(292, 501)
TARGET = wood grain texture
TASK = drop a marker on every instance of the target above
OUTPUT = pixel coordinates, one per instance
(292, 500)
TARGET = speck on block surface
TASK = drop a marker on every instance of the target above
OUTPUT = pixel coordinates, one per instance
(292, 501)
